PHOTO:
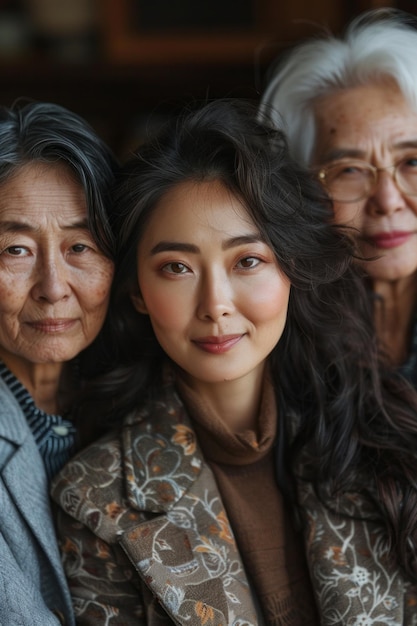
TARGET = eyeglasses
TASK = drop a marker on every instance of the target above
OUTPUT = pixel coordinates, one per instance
(350, 181)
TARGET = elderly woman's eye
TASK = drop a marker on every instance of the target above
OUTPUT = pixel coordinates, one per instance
(351, 170)
(79, 247)
(411, 162)
(16, 251)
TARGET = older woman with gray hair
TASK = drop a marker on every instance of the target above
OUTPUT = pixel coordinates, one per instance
(56, 268)
(349, 108)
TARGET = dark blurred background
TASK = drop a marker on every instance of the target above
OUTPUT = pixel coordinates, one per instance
(128, 64)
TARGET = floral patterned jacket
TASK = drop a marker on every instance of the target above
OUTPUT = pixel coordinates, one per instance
(354, 583)
(145, 538)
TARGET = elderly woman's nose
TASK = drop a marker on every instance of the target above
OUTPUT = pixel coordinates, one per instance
(387, 197)
(51, 280)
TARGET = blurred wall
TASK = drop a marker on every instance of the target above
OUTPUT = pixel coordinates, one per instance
(127, 64)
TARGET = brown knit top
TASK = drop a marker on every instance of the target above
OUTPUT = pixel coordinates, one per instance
(271, 548)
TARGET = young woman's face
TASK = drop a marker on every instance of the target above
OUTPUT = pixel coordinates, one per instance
(215, 295)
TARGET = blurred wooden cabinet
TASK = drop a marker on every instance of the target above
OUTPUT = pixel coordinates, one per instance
(404, 5)
(179, 32)
(153, 55)
(172, 32)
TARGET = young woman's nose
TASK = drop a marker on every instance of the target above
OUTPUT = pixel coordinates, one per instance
(215, 296)
(51, 283)
(387, 197)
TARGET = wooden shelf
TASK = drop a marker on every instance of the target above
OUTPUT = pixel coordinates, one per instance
(114, 96)
(137, 74)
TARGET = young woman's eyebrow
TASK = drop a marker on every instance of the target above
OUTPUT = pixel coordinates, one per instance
(242, 240)
(174, 246)
(177, 246)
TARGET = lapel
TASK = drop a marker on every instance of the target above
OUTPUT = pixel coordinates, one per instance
(186, 553)
(23, 475)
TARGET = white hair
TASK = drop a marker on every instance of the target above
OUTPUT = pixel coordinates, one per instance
(377, 45)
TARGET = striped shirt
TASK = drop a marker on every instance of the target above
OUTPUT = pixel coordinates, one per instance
(54, 435)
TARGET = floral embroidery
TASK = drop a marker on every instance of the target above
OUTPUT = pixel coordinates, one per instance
(204, 612)
(185, 438)
(355, 584)
(174, 596)
(225, 531)
(113, 509)
(360, 576)
(336, 554)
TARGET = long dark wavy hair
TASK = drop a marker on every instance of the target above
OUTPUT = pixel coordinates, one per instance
(354, 416)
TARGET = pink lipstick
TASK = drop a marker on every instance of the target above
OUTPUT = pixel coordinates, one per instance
(217, 344)
(390, 240)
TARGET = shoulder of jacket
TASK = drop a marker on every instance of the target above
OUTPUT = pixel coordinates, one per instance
(125, 476)
(13, 424)
(347, 550)
(90, 487)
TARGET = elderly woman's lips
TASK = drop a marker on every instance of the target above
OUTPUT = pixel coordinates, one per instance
(52, 325)
(391, 239)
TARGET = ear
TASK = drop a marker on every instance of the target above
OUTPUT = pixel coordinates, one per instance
(138, 302)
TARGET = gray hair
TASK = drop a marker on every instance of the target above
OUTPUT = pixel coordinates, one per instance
(377, 45)
(48, 133)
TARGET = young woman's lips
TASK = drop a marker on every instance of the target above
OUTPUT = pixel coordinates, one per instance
(217, 345)
(391, 239)
(53, 325)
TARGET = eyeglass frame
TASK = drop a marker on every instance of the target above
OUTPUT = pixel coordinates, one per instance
(321, 175)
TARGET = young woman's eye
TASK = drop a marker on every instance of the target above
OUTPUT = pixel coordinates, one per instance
(248, 262)
(175, 268)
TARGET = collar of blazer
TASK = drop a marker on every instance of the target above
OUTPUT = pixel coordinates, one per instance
(13, 426)
(148, 490)
(161, 455)
(146, 468)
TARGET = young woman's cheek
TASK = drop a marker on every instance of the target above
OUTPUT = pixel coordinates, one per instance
(170, 305)
(268, 295)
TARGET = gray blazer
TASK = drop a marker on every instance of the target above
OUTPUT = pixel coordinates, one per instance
(33, 589)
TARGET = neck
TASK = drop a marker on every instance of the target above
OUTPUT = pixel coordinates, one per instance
(237, 401)
(393, 315)
(42, 380)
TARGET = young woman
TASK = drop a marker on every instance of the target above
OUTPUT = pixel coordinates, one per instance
(240, 328)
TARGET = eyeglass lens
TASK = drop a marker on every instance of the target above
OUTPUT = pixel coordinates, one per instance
(349, 182)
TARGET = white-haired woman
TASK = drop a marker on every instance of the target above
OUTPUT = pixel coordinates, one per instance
(349, 108)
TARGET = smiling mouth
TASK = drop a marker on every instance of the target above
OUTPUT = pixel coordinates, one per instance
(218, 345)
(52, 325)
